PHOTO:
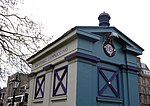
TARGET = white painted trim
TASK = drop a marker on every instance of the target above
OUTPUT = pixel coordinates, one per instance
(53, 46)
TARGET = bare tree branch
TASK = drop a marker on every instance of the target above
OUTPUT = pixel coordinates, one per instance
(20, 37)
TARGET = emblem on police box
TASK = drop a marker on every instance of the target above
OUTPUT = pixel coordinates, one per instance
(109, 48)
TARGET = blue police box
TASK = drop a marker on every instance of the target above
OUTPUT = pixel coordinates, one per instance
(99, 67)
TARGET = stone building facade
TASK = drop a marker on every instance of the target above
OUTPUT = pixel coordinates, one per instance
(2, 95)
(22, 88)
(144, 85)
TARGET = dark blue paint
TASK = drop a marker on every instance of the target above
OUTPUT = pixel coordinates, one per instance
(60, 79)
(104, 19)
(83, 56)
(39, 88)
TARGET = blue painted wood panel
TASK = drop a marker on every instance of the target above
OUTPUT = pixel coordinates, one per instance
(108, 83)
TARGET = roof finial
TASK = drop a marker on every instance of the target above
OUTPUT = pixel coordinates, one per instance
(104, 19)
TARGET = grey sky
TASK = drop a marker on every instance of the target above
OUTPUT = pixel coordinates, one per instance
(132, 17)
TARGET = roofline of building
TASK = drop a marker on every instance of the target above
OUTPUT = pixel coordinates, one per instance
(71, 30)
(65, 34)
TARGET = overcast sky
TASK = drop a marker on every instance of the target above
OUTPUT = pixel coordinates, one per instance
(132, 17)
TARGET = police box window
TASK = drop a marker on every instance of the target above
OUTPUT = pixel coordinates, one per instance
(60, 81)
(40, 86)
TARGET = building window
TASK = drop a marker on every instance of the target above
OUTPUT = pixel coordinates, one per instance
(108, 83)
(60, 81)
(40, 85)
